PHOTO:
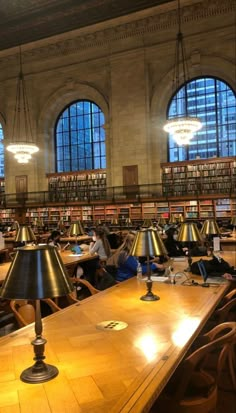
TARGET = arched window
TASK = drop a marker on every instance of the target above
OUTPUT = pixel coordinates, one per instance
(1, 152)
(80, 138)
(214, 103)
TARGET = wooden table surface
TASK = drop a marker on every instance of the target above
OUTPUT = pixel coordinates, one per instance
(107, 371)
(67, 257)
(229, 243)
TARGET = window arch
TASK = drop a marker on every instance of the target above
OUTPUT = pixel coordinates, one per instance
(1, 152)
(214, 103)
(80, 137)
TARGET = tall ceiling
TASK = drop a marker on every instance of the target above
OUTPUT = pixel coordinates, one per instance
(24, 21)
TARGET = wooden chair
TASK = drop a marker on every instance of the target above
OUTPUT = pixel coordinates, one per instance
(5, 255)
(227, 312)
(192, 389)
(76, 281)
(229, 296)
(24, 310)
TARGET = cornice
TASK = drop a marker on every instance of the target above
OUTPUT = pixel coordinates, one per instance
(161, 21)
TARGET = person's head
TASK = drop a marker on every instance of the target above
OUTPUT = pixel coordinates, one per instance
(172, 233)
(128, 242)
(98, 233)
(55, 236)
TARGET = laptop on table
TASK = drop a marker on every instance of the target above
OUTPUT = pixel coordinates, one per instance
(206, 278)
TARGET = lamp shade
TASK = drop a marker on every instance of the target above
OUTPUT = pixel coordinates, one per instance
(128, 221)
(210, 227)
(147, 242)
(114, 221)
(15, 226)
(162, 221)
(36, 272)
(180, 218)
(189, 233)
(147, 223)
(76, 229)
(233, 221)
(25, 234)
(172, 219)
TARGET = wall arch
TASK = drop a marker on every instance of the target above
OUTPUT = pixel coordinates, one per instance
(58, 100)
(208, 66)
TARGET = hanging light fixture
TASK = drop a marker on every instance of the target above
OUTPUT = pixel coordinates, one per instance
(181, 127)
(22, 145)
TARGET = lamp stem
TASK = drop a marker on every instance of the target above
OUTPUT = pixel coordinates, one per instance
(149, 296)
(40, 371)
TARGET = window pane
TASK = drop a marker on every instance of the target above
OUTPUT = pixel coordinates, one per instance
(80, 138)
(214, 103)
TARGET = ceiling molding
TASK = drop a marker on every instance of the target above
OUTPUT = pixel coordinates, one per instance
(106, 37)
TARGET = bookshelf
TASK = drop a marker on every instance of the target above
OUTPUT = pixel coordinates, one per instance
(233, 207)
(206, 176)
(149, 210)
(222, 208)
(206, 209)
(135, 212)
(7, 216)
(77, 186)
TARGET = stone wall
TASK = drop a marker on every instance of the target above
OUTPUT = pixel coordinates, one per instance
(126, 67)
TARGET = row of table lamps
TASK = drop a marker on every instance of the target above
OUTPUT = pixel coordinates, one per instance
(25, 233)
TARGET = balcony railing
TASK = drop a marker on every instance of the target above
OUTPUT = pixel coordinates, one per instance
(136, 193)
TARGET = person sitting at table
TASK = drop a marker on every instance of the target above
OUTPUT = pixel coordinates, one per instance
(174, 247)
(127, 264)
(54, 239)
(100, 244)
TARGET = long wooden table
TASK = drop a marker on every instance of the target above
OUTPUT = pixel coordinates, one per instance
(229, 243)
(68, 259)
(108, 371)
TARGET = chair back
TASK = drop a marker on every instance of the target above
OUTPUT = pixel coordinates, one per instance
(220, 337)
(24, 310)
(227, 312)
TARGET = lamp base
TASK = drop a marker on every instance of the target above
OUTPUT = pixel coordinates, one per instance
(149, 297)
(39, 373)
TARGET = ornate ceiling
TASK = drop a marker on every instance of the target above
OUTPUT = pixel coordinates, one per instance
(24, 21)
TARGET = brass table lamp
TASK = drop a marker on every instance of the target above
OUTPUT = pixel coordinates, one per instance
(147, 223)
(147, 242)
(233, 222)
(25, 234)
(128, 222)
(189, 234)
(210, 230)
(210, 227)
(37, 272)
(76, 229)
(172, 219)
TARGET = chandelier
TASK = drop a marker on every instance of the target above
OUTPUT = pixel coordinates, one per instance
(181, 127)
(22, 145)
